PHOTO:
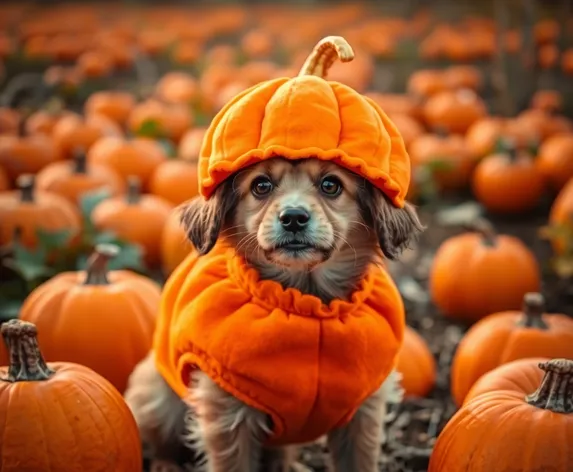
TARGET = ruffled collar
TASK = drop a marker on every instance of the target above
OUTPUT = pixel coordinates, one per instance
(271, 294)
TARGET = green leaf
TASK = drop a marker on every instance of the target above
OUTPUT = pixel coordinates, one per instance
(50, 240)
(90, 200)
(30, 264)
(105, 237)
(130, 257)
(439, 164)
(169, 148)
(150, 129)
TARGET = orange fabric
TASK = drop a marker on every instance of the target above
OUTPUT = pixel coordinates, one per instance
(303, 117)
(306, 364)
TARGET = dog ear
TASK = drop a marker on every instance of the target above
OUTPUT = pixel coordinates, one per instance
(396, 228)
(203, 219)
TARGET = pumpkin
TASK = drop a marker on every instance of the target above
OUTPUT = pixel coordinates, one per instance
(567, 61)
(95, 64)
(136, 218)
(175, 180)
(561, 215)
(463, 77)
(480, 272)
(78, 420)
(506, 336)
(28, 210)
(483, 135)
(446, 158)
(555, 159)
(9, 119)
(177, 88)
(101, 319)
(77, 132)
(113, 104)
(175, 246)
(481, 435)
(21, 154)
(454, 111)
(547, 100)
(137, 156)
(173, 120)
(416, 364)
(257, 44)
(508, 182)
(44, 121)
(426, 82)
(190, 145)
(523, 374)
(72, 179)
(548, 56)
(4, 181)
(541, 125)
(396, 104)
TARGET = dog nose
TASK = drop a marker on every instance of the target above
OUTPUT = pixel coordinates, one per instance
(294, 219)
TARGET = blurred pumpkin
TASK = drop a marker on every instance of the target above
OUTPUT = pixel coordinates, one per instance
(73, 327)
(175, 245)
(9, 120)
(546, 31)
(555, 159)
(190, 144)
(73, 179)
(567, 61)
(548, 56)
(547, 100)
(506, 336)
(136, 218)
(44, 121)
(476, 438)
(81, 132)
(4, 181)
(113, 104)
(186, 52)
(426, 83)
(26, 210)
(74, 410)
(454, 111)
(409, 128)
(175, 180)
(397, 104)
(416, 364)
(480, 272)
(463, 77)
(172, 120)
(541, 125)
(177, 88)
(257, 44)
(508, 182)
(561, 216)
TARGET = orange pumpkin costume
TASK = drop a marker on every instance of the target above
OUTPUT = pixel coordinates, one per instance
(308, 365)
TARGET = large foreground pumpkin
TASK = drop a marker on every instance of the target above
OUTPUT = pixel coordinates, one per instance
(513, 429)
(59, 416)
(103, 320)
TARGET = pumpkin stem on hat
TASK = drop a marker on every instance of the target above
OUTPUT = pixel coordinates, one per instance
(533, 309)
(80, 163)
(324, 54)
(96, 270)
(133, 190)
(26, 360)
(556, 390)
(26, 184)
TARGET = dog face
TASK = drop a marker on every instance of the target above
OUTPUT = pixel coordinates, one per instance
(299, 214)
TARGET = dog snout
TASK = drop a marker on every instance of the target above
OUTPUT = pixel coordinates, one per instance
(294, 219)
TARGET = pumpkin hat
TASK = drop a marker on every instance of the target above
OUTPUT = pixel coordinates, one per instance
(307, 117)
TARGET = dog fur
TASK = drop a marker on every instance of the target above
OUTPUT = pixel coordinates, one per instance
(345, 233)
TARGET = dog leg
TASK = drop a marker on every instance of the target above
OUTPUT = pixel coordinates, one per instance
(229, 432)
(160, 416)
(356, 447)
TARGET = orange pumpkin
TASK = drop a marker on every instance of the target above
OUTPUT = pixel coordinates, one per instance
(416, 364)
(44, 121)
(508, 182)
(481, 435)
(21, 154)
(506, 336)
(76, 132)
(175, 245)
(173, 120)
(74, 327)
(426, 82)
(561, 214)
(113, 104)
(445, 156)
(177, 88)
(257, 43)
(396, 104)
(409, 128)
(138, 156)
(27, 210)
(541, 125)
(463, 77)
(567, 61)
(72, 179)
(547, 100)
(190, 145)
(480, 272)
(4, 182)
(9, 119)
(74, 410)
(523, 374)
(175, 180)
(555, 159)
(454, 111)
(136, 218)
(95, 64)
(548, 56)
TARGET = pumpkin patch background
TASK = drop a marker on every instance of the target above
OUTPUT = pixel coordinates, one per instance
(103, 108)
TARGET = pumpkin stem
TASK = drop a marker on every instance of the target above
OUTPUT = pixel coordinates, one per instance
(324, 54)
(533, 309)
(26, 360)
(22, 126)
(133, 190)
(556, 390)
(80, 164)
(96, 270)
(26, 185)
(486, 230)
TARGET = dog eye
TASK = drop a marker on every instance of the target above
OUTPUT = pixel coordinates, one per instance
(331, 186)
(261, 186)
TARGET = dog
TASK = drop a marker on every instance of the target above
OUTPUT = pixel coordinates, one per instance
(307, 224)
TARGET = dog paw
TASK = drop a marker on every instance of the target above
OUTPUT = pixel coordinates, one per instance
(164, 466)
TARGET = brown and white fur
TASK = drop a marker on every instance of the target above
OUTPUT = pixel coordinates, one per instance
(339, 224)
